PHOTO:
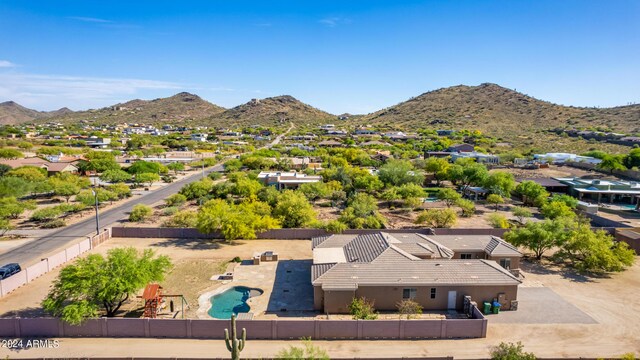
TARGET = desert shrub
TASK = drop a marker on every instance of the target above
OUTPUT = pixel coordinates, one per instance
(362, 309)
(438, 218)
(44, 214)
(335, 226)
(510, 351)
(236, 259)
(182, 219)
(52, 224)
(498, 221)
(468, 207)
(409, 308)
(176, 200)
(140, 212)
(169, 211)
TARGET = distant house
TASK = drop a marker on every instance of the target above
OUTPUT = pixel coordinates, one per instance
(599, 190)
(375, 143)
(444, 132)
(330, 143)
(287, 180)
(365, 131)
(58, 165)
(435, 271)
(461, 148)
(478, 157)
(199, 137)
(559, 158)
(399, 136)
(436, 154)
(382, 156)
(97, 142)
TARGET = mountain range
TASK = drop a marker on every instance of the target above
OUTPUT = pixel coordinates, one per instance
(487, 107)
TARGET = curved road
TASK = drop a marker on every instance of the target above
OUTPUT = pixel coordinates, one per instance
(39, 248)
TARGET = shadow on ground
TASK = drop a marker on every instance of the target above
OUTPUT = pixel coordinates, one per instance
(292, 290)
(192, 244)
(548, 268)
(30, 312)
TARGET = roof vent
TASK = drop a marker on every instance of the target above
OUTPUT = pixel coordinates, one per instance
(438, 265)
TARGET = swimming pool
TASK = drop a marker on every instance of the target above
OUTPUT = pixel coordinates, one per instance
(232, 302)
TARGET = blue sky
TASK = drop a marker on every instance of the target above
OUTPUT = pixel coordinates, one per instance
(340, 56)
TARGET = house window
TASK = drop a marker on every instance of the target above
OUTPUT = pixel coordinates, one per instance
(409, 293)
(465, 256)
(433, 293)
(505, 263)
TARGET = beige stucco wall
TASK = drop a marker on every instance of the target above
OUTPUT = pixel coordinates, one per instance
(386, 297)
(515, 260)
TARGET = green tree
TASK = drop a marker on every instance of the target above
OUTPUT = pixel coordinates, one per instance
(294, 210)
(241, 221)
(314, 191)
(362, 213)
(501, 183)
(399, 172)
(140, 212)
(197, 189)
(121, 190)
(510, 351)
(175, 167)
(95, 284)
(449, 196)
(438, 218)
(29, 173)
(595, 251)
(148, 178)
(142, 166)
(5, 225)
(232, 165)
(14, 187)
(632, 159)
(531, 192)
(495, 200)
(467, 173)
(411, 190)
(11, 208)
(307, 352)
(10, 154)
(438, 167)
(390, 195)
(611, 163)
(521, 213)
(557, 209)
(541, 236)
(468, 207)
(568, 200)
(115, 176)
(66, 190)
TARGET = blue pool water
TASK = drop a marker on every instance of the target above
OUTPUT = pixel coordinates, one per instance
(232, 302)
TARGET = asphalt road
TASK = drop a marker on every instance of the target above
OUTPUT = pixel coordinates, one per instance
(39, 248)
(33, 251)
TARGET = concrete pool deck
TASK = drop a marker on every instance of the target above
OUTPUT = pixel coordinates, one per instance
(286, 286)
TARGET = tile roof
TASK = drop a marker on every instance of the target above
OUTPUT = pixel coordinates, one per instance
(365, 247)
(389, 271)
(318, 270)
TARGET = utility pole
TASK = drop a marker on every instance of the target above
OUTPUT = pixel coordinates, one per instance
(95, 196)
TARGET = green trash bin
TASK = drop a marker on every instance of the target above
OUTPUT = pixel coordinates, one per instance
(487, 308)
(496, 307)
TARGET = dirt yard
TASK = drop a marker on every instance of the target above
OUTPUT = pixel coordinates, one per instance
(195, 261)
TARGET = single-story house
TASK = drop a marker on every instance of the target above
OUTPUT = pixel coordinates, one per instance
(287, 180)
(478, 157)
(600, 190)
(461, 148)
(330, 143)
(559, 158)
(387, 268)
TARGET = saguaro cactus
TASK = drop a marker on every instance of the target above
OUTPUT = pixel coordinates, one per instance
(234, 345)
